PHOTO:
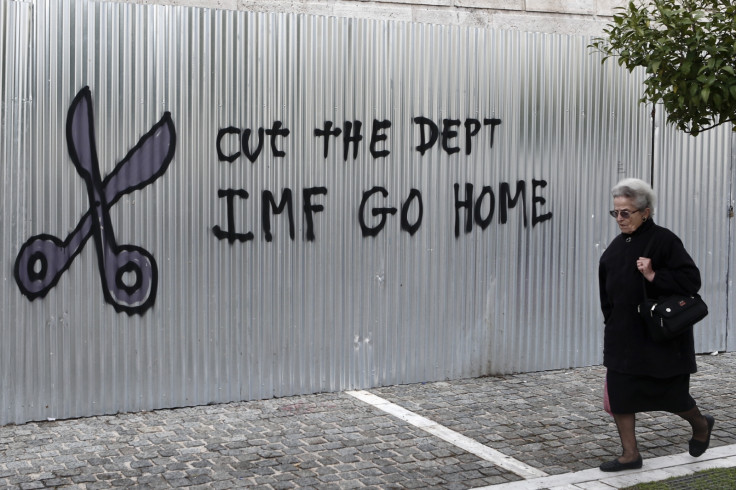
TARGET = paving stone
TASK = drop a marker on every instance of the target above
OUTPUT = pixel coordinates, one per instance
(32, 485)
(84, 479)
(552, 421)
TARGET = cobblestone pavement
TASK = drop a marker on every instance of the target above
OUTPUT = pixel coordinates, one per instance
(552, 422)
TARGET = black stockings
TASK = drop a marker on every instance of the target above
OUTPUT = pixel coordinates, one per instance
(626, 425)
(697, 422)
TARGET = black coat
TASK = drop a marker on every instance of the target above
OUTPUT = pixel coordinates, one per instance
(626, 346)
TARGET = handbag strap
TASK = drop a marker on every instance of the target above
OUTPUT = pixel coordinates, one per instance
(645, 253)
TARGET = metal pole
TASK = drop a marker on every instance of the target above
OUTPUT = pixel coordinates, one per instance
(651, 170)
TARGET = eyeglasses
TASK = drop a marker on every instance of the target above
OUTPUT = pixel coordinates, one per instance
(625, 213)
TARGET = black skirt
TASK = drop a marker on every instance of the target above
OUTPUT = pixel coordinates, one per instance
(632, 393)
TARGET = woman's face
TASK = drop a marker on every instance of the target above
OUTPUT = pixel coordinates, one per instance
(636, 217)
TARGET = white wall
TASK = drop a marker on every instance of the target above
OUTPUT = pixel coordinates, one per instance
(552, 16)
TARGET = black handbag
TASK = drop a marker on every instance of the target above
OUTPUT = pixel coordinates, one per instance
(670, 316)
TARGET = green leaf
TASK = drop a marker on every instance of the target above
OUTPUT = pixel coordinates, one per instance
(687, 48)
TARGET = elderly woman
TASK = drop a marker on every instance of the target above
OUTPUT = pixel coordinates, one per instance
(644, 375)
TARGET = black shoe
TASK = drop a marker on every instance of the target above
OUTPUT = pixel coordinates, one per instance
(697, 448)
(616, 465)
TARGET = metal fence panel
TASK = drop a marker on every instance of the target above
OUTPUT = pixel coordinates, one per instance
(693, 177)
(398, 270)
(17, 371)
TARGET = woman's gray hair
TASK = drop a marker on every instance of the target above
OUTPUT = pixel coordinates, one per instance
(638, 191)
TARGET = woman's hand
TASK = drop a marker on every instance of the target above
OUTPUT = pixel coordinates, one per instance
(644, 265)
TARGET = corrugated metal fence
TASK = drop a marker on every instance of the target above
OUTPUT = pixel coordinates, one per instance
(234, 245)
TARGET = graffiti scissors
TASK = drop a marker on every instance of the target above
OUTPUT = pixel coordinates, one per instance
(128, 273)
